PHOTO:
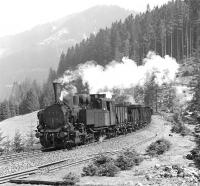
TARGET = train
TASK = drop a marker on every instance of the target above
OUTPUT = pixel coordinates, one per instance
(85, 118)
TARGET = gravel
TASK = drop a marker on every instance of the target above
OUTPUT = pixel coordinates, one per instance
(76, 154)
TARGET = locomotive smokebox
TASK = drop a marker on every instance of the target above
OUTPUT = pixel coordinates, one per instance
(57, 90)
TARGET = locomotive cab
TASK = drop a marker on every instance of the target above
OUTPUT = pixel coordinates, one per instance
(101, 112)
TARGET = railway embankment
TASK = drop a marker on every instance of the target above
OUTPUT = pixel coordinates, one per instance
(171, 168)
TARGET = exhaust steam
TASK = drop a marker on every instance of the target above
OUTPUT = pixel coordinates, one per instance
(120, 75)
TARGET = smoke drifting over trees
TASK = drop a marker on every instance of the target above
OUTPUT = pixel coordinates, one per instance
(123, 75)
(171, 30)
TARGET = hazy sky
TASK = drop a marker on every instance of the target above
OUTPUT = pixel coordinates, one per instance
(20, 15)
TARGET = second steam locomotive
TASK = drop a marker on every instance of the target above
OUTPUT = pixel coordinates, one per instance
(85, 118)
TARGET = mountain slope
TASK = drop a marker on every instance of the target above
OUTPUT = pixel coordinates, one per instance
(33, 52)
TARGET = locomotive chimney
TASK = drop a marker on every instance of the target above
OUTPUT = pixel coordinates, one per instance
(56, 87)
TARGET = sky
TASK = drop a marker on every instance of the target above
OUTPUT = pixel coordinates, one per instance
(20, 15)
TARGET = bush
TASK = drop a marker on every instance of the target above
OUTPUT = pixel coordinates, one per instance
(128, 159)
(124, 162)
(195, 151)
(179, 127)
(102, 159)
(197, 160)
(90, 170)
(17, 145)
(195, 156)
(70, 179)
(101, 166)
(158, 147)
(185, 131)
(107, 169)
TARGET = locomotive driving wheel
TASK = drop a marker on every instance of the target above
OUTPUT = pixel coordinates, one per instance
(68, 145)
(45, 142)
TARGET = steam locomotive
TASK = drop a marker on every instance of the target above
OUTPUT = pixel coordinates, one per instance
(86, 118)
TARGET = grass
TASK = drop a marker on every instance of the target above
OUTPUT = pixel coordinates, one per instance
(158, 147)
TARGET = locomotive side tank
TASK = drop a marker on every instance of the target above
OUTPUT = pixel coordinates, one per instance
(83, 118)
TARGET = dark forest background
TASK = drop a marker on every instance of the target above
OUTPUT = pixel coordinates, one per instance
(173, 29)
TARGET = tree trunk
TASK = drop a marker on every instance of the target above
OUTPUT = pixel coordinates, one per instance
(177, 49)
(171, 42)
(190, 40)
(182, 38)
(187, 47)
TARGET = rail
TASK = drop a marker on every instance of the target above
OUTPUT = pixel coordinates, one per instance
(15, 177)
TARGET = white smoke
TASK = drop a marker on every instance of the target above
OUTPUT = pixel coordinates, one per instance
(123, 75)
(67, 92)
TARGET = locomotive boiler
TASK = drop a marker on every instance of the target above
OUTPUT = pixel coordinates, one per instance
(84, 118)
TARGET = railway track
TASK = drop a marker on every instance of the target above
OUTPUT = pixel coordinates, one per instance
(92, 156)
(59, 164)
(51, 167)
(21, 156)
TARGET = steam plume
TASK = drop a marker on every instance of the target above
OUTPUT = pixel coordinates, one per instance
(123, 75)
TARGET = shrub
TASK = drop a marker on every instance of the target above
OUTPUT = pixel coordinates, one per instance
(128, 159)
(107, 169)
(102, 159)
(124, 162)
(101, 166)
(197, 161)
(70, 179)
(195, 156)
(17, 145)
(179, 127)
(90, 170)
(195, 151)
(185, 131)
(158, 147)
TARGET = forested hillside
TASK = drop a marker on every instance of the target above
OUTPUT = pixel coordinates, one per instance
(30, 54)
(171, 29)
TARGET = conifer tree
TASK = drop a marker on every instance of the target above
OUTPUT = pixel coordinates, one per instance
(151, 94)
(16, 109)
(1, 141)
(5, 110)
(47, 96)
(30, 103)
(17, 144)
(12, 109)
(61, 65)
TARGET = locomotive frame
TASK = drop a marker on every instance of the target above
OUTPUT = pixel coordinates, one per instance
(85, 118)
